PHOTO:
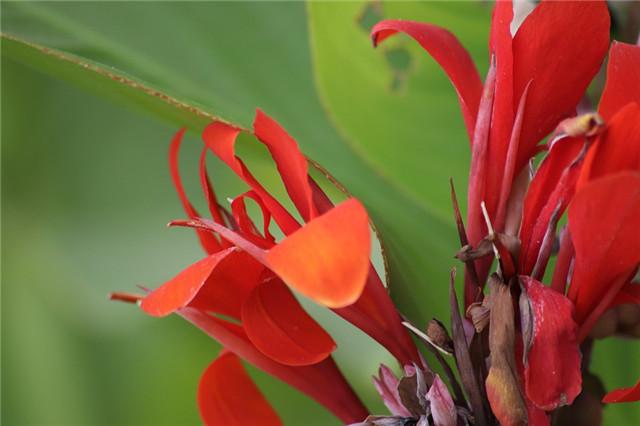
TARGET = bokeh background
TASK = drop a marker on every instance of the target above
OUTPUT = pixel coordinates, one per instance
(86, 191)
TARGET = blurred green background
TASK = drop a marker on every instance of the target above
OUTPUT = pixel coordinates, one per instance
(86, 191)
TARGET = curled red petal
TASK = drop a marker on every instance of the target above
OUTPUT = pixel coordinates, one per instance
(278, 326)
(207, 188)
(246, 225)
(221, 139)
(208, 241)
(291, 164)
(327, 259)
(629, 294)
(560, 47)
(623, 79)
(551, 188)
(631, 394)
(552, 363)
(180, 290)
(604, 219)
(228, 396)
(447, 51)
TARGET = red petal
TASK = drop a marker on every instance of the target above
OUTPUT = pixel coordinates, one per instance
(228, 396)
(604, 218)
(617, 149)
(323, 381)
(552, 186)
(207, 188)
(502, 116)
(291, 164)
(221, 139)
(229, 285)
(278, 326)
(559, 46)
(623, 79)
(239, 210)
(328, 259)
(631, 394)
(207, 240)
(179, 291)
(552, 364)
(443, 410)
(447, 51)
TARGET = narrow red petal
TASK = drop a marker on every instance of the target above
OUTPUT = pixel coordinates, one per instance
(208, 241)
(623, 79)
(503, 138)
(447, 51)
(323, 381)
(443, 410)
(551, 188)
(328, 259)
(227, 396)
(221, 139)
(278, 326)
(552, 363)
(291, 164)
(631, 394)
(560, 47)
(207, 188)
(179, 291)
(604, 218)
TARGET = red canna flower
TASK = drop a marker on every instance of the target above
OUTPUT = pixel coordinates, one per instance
(240, 293)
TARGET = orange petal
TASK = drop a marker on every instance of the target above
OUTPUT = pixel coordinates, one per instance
(227, 396)
(180, 290)
(281, 329)
(328, 259)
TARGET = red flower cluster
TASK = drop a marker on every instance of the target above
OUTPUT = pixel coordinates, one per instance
(537, 78)
(240, 293)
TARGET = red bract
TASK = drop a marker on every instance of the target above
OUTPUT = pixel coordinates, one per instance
(240, 294)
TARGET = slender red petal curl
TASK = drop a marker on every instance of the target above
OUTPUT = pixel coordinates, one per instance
(227, 396)
(291, 164)
(447, 51)
(631, 394)
(278, 326)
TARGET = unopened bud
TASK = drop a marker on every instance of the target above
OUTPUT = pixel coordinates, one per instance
(439, 336)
